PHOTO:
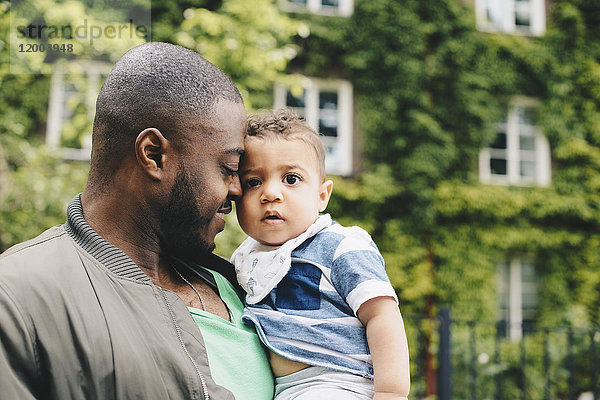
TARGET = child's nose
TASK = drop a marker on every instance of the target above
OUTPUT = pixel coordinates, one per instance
(271, 192)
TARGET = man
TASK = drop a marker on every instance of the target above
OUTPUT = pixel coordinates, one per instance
(115, 303)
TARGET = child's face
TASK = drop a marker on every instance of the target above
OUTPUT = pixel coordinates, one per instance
(283, 192)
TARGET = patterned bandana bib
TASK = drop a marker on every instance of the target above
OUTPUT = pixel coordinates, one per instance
(260, 268)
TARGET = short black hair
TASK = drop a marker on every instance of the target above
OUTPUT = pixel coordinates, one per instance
(154, 85)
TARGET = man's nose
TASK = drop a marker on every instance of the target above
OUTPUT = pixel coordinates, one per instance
(235, 188)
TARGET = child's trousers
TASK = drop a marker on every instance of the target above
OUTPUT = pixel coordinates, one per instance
(316, 383)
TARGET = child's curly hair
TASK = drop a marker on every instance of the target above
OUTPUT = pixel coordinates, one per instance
(284, 123)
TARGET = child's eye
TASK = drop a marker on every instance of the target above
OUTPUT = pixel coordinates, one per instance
(252, 182)
(292, 179)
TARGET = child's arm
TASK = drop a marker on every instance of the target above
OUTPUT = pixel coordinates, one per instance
(388, 346)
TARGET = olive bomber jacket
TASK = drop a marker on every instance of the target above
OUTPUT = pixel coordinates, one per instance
(79, 320)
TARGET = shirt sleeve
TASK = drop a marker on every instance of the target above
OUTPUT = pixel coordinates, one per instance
(18, 360)
(358, 270)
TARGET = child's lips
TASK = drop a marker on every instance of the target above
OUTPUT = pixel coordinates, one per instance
(272, 217)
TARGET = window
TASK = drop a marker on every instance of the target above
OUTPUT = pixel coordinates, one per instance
(518, 299)
(71, 109)
(326, 106)
(520, 154)
(526, 17)
(342, 8)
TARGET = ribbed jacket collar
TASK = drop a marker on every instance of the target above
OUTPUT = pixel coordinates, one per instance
(107, 254)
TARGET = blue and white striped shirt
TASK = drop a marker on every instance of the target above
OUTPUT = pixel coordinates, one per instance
(310, 316)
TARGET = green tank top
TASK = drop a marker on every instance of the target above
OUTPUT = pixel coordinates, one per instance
(237, 359)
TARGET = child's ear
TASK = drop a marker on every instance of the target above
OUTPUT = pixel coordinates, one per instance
(324, 194)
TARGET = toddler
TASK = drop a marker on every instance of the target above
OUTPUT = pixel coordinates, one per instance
(316, 291)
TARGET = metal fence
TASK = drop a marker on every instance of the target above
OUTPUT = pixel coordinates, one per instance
(475, 360)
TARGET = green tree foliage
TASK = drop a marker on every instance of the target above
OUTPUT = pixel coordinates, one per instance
(35, 182)
(35, 192)
(251, 44)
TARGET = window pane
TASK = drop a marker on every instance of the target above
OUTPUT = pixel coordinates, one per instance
(298, 1)
(530, 301)
(331, 154)
(503, 286)
(328, 125)
(527, 115)
(503, 294)
(494, 12)
(328, 100)
(292, 101)
(500, 141)
(527, 142)
(71, 100)
(328, 119)
(528, 272)
(332, 3)
(498, 166)
(527, 169)
(301, 113)
(529, 287)
(526, 299)
(522, 13)
(528, 326)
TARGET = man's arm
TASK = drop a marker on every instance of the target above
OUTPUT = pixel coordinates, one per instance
(18, 359)
(388, 346)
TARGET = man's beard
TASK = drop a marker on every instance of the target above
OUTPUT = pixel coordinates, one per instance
(182, 222)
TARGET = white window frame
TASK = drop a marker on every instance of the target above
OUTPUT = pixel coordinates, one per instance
(512, 285)
(514, 155)
(505, 11)
(345, 8)
(56, 109)
(311, 113)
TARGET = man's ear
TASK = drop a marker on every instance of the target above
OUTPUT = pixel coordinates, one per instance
(324, 194)
(151, 152)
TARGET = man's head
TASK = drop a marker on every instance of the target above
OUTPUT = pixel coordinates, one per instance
(170, 126)
(156, 85)
(283, 178)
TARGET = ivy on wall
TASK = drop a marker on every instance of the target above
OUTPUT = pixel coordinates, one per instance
(429, 89)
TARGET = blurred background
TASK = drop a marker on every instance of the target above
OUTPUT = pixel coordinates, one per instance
(464, 135)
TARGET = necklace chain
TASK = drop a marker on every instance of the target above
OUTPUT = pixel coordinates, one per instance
(192, 286)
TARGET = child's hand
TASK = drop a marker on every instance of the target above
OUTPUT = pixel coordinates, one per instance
(388, 396)
(389, 349)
